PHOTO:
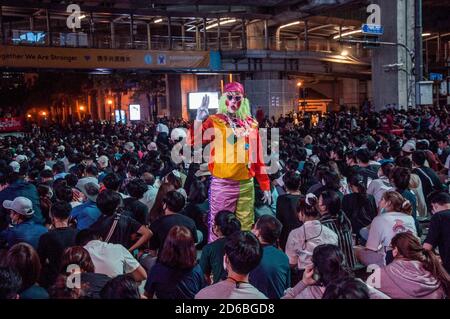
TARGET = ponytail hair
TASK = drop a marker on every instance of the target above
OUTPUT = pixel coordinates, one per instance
(227, 222)
(307, 206)
(409, 247)
(358, 181)
(398, 202)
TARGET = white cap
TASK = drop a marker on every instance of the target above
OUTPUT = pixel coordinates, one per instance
(103, 160)
(21, 205)
(21, 158)
(129, 146)
(15, 166)
(152, 146)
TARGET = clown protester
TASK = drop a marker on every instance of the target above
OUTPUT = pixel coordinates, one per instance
(235, 156)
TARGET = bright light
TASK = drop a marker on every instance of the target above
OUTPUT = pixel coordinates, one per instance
(82, 16)
(112, 114)
(81, 108)
(344, 53)
(29, 115)
(109, 102)
(299, 84)
(222, 22)
(426, 34)
(44, 113)
(158, 20)
(346, 34)
(290, 24)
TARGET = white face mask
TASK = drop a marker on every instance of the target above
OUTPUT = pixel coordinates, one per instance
(224, 264)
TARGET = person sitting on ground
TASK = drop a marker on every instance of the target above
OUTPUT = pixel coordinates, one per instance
(24, 259)
(122, 287)
(273, 274)
(52, 244)
(359, 207)
(438, 233)
(303, 240)
(115, 226)
(136, 188)
(333, 217)
(415, 273)
(91, 282)
(23, 229)
(243, 253)
(395, 217)
(211, 261)
(382, 184)
(110, 259)
(286, 211)
(173, 204)
(176, 274)
(328, 265)
(87, 213)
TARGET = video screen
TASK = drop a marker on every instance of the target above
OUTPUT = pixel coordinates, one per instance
(195, 100)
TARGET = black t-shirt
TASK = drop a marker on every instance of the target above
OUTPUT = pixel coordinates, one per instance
(171, 283)
(161, 227)
(92, 284)
(361, 209)
(439, 236)
(212, 259)
(136, 209)
(126, 227)
(286, 213)
(50, 249)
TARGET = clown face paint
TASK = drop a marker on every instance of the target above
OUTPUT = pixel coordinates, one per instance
(233, 102)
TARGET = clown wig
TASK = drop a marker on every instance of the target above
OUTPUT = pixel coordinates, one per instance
(243, 112)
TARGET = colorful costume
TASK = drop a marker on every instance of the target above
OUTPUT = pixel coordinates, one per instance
(235, 158)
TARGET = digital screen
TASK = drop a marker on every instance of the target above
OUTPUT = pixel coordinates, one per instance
(135, 112)
(195, 100)
(120, 116)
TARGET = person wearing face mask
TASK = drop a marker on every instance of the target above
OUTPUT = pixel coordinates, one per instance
(438, 235)
(22, 228)
(395, 218)
(415, 272)
(302, 240)
(235, 156)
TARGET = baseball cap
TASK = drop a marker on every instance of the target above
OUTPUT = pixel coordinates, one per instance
(409, 147)
(21, 158)
(91, 190)
(21, 205)
(129, 146)
(103, 160)
(15, 166)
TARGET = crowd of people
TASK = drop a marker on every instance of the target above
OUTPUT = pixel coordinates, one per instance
(96, 210)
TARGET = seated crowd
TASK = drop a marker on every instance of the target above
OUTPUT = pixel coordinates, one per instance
(99, 211)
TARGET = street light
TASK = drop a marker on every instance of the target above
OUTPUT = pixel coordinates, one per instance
(299, 84)
(110, 102)
(44, 113)
(29, 116)
(81, 108)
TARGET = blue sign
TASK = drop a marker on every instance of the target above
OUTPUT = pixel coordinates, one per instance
(215, 61)
(372, 29)
(436, 76)
(148, 59)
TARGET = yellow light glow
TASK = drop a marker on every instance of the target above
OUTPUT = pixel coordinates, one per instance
(81, 108)
(158, 21)
(344, 53)
(426, 34)
(28, 115)
(299, 84)
(346, 34)
(44, 113)
(110, 102)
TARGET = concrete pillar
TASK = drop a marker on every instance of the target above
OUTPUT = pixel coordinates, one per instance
(393, 87)
(350, 92)
(255, 36)
(173, 95)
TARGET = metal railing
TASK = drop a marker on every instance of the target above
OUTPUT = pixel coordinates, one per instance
(103, 40)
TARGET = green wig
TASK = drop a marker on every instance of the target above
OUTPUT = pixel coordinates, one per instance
(243, 112)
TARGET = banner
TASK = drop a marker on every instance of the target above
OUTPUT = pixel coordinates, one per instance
(13, 124)
(79, 58)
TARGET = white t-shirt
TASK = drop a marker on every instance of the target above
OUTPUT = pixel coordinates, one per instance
(302, 241)
(378, 187)
(111, 259)
(384, 227)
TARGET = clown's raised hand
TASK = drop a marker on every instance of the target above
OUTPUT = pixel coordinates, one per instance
(202, 111)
